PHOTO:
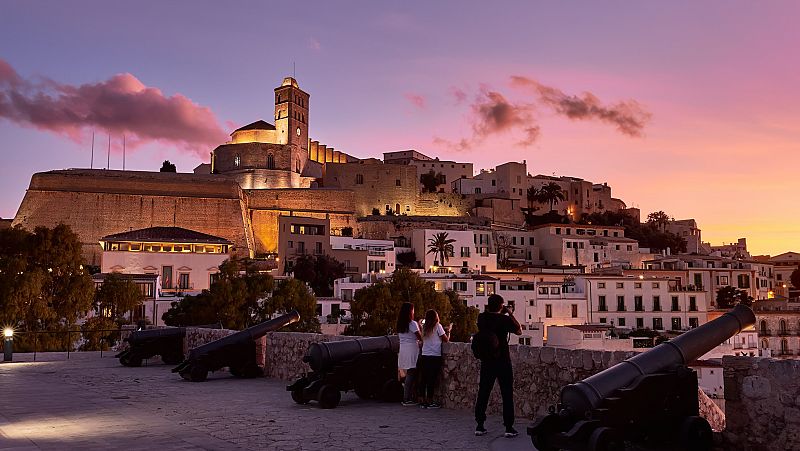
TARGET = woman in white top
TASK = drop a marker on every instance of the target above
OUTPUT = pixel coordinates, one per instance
(410, 340)
(430, 363)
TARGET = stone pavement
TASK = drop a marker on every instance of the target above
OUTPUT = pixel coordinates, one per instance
(93, 403)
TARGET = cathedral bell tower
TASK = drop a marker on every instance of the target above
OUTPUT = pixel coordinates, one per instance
(291, 114)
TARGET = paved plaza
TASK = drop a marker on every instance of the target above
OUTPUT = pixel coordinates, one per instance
(93, 403)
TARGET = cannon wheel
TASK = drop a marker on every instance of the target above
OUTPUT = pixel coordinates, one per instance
(604, 439)
(695, 434)
(198, 373)
(298, 397)
(539, 439)
(329, 397)
(392, 391)
(172, 359)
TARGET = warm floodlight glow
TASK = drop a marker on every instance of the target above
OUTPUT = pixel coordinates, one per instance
(8, 332)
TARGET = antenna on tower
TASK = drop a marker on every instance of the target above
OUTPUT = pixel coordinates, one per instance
(91, 162)
(108, 162)
(123, 152)
(294, 70)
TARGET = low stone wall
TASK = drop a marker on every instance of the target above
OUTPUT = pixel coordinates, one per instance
(539, 373)
(762, 403)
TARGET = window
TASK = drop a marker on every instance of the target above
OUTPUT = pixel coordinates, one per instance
(377, 265)
(656, 303)
(290, 244)
(460, 286)
(237, 160)
(530, 241)
(543, 290)
(601, 284)
(601, 304)
(183, 281)
(723, 280)
(640, 323)
(620, 303)
(637, 285)
(555, 290)
(658, 324)
(676, 323)
(638, 305)
(698, 280)
(574, 310)
(621, 322)
(692, 303)
(558, 230)
(465, 251)
(602, 320)
(318, 248)
(630, 247)
(675, 305)
(301, 247)
(480, 289)
(548, 311)
(655, 285)
(743, 280)
(397, 182)
(213, 277)
(693, 322)
(270, 161)
(620, 284)
(359, 179)
(166, 277)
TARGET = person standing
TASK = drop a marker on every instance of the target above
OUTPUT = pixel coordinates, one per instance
(500, 321)
(410, 340)
(430, 362)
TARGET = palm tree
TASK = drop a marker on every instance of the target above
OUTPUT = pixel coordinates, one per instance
(659, 219)
(533, 197)
(441, 246)
(552, 194)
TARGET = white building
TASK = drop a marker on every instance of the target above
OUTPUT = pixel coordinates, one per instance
(185, 261)
(380, 254)
(473, 251)
(589, 246)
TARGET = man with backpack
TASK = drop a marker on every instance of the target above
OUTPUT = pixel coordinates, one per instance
(490, 345)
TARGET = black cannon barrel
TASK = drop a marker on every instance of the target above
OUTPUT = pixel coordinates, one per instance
(249, 334)
(149, 334)
(585, 395)
(321, 356)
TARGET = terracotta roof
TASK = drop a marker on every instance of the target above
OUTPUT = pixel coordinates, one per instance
(257, 125)
(168, 234)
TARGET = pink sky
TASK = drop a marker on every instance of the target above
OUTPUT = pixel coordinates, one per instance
(719, 80)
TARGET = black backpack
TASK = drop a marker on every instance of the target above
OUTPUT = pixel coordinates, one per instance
(485, 345)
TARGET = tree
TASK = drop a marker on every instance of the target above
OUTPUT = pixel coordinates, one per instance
(504, 249)
(647, 234)
(168, 167)
(374, 308)
(234, 299)
(729, 297)
(533, 196)
(117, 296)
(441, 247)
(318, 272)
(99, 333)
(430, 181)
(406, 259)
(294, 294)
(464, 318)
(43, 284)
(552, 194)
(659, 219)
(795, 278)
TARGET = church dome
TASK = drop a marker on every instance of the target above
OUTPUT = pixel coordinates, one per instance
(259, 131)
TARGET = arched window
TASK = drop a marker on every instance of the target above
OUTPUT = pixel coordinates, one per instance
(765, 344)
(397, 208)
(784, 347)
(763, 327)
(297, 166)
(270, 161)
(237, 160)
(783, 327)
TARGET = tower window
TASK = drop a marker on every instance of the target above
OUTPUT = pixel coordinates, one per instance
(270, 161)
(237, 160)
(359, 179)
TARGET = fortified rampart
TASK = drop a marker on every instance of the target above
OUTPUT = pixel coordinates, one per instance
(95, 203)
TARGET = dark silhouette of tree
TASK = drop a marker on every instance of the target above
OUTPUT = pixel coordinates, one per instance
(431, 181)
(729, 297)
(504, 250)
(293, 294)
(407, 259)
(647, 234)
(235, 299)
(318, 272)
(117, 296)
(441, 247)
(552, 194)
(659, 219)
(464, 318)
(374, 308)
(795, 278)
(168, 167)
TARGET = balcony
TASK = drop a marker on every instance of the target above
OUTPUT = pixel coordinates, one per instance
(784, 333)
(764, 332)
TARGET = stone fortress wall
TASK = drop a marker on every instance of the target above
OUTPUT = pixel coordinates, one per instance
(96, 203)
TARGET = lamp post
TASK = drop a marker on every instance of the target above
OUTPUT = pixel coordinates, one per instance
(8, 344)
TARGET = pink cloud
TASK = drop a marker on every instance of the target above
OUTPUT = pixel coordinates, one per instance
(458, 95)
(121, 105)
(415, 99)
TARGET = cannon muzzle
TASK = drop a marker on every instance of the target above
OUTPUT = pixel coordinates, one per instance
(321, 356)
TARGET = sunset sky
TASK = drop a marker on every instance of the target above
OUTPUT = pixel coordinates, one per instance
(688, 107)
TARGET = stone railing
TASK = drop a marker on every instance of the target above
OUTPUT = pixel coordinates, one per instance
(762, 403)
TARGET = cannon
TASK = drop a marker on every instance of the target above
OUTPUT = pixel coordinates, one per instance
(646, 402)
(167, 343)
(367, 366)
(236, 351)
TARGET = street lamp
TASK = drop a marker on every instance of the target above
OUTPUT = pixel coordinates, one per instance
(8, 344)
